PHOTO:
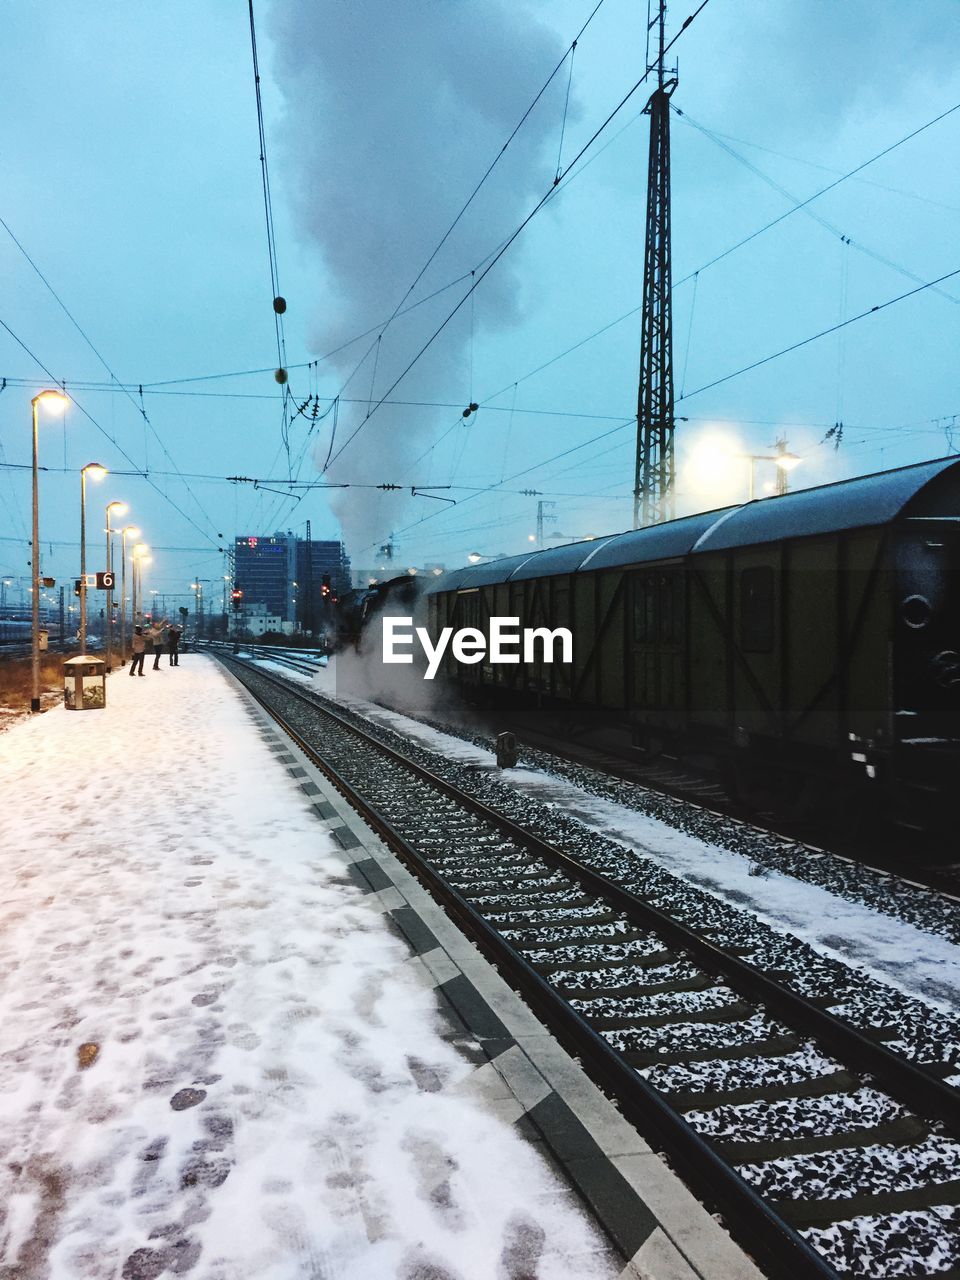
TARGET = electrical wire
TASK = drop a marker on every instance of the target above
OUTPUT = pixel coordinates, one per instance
(103, 431)
(693, 275)
(834, 328)
(115, 383)
(518, 231)
(804, 205)
(271, 239)
(831, 186)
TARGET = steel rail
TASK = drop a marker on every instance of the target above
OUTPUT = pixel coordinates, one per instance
(783, 1251)
(919, 1088)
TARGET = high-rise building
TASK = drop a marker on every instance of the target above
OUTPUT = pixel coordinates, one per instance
(286, 575)
(265, 570)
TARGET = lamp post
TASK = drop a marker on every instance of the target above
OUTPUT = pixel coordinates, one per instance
(96, 472)
(785, 462)
(121, 509)
(48, 398)
(140, 557)
(198, 597)
(134, 533)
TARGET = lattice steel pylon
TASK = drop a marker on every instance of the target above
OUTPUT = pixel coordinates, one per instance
(653, 493)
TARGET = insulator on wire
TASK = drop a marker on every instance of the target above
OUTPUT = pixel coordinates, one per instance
(279, 305)
(281, 376)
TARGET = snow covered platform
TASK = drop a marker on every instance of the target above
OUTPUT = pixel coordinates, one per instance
(237, 1039)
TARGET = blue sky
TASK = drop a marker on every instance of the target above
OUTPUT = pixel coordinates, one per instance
(129, 158)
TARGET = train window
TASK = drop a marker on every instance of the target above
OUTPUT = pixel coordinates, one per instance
(756, 610)
(657, 608)
(645, 609)
(669, 611)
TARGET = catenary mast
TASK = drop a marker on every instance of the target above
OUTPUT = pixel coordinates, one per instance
(653, 493)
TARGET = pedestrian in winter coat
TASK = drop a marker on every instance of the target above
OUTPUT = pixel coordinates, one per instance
(138, 645)
(156, 635)
(173, 641)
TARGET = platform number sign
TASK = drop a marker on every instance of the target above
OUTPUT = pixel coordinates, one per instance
(106, 581)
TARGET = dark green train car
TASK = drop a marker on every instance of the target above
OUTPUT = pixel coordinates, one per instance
(815, 635)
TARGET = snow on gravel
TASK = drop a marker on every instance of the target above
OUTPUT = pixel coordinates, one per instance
(907, 958)
(214, 1059)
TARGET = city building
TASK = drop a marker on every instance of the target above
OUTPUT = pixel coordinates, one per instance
(253, 620)
(287, 576)
(265, 570)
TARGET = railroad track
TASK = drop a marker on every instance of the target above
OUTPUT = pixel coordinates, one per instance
(827, 1152)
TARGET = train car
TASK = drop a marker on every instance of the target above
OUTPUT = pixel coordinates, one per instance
(814, 636)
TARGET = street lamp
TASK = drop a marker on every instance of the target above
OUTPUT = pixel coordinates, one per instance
(48, 398)
(785, 462)
(140, 557)
(712, 466)
(133, 533)
(198, 597)
(121, 509)
(96, 472)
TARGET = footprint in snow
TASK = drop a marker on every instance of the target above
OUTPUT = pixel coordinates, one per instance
(523, 1241)
(420, 1266)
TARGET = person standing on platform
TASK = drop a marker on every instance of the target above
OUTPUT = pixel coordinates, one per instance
(173, 641)
(156, 637)
(138, 646)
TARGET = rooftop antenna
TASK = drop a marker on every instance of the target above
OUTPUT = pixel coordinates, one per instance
(653, 493)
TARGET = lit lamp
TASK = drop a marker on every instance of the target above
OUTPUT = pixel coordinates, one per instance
(712, 465)
(120, 509)
(95, 472)
(49, 398)
(128, 531)
(140, 557)
(197, 588)
(785, 462)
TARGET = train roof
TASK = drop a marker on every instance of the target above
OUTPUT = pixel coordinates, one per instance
(862, 502)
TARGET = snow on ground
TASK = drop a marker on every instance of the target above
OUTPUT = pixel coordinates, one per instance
(898, 953)
(214, 1059)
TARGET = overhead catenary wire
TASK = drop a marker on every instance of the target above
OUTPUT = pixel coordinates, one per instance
(730, 376)
(115, 382)
(518, 231)
(831, 186)
(493, 164)
(694, 275)
(271, 238)
(103, 431)
(834, 328)
(803, 204)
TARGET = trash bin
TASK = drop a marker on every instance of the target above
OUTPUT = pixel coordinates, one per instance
(507, 753)
(84, 683)
(44, 640)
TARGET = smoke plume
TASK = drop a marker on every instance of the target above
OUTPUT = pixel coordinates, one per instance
(392, 112)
